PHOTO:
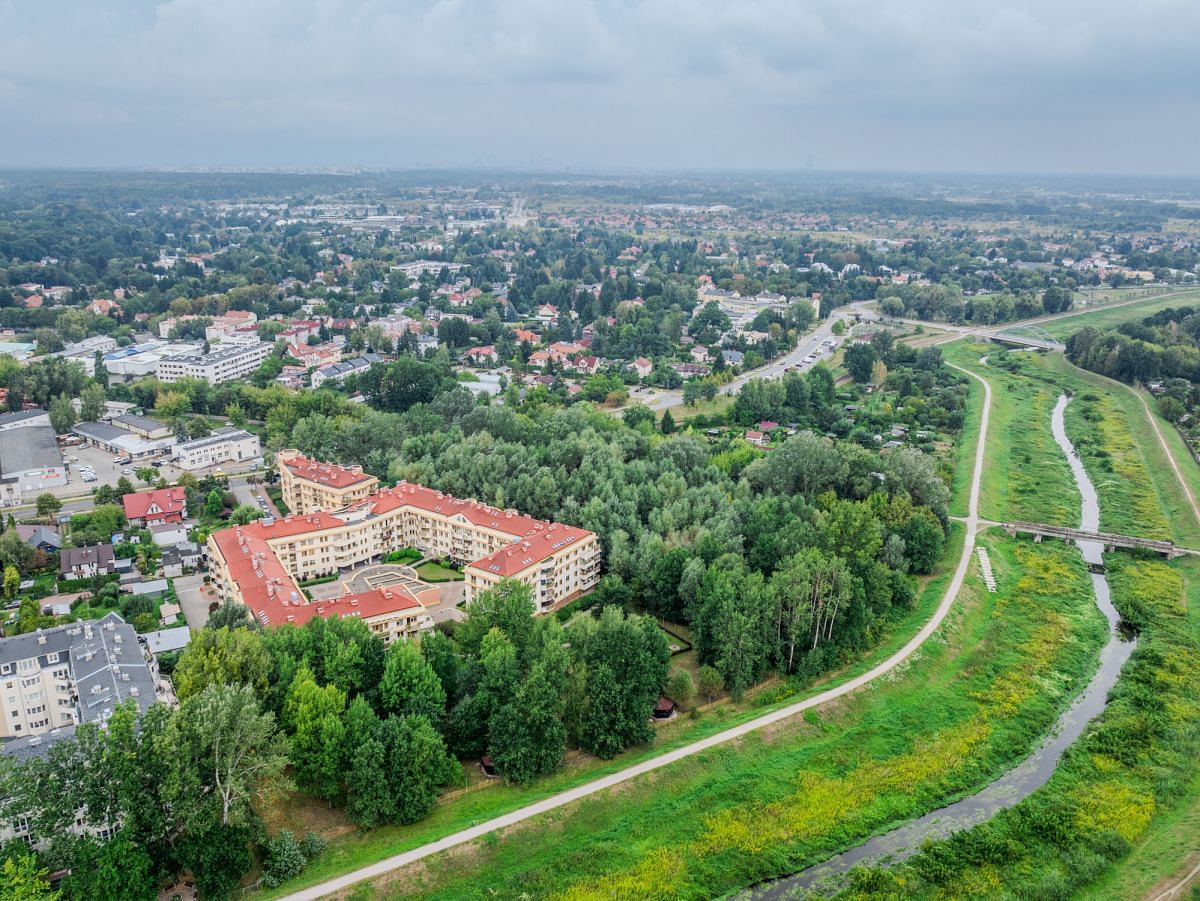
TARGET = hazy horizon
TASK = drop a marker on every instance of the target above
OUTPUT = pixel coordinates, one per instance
(603, 86)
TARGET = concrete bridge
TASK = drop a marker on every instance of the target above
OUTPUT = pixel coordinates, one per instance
(1025, 336)
(1109, 540)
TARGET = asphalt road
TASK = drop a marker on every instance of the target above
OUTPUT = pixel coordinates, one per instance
(597, 785)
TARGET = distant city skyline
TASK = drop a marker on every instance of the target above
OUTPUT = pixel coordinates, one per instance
(603, 85)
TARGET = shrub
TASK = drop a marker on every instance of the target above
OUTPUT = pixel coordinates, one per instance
(283, 859)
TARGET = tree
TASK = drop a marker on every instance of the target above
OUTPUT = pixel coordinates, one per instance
(637, 416)
(627, 659)
(508, 607)
(225, 754)
(923, 540)
(527, 738)
(93, 401)
(217, 857)
(48, 504)
(222, 657)
(22, 879)
(62, 414)
(231, 615)
(214, 503)
(416, 766)
(283, 859)
(409, 685)
(879, 374)
(369, 801)
(667, 425)
(709, 683)
(315, 716)
(859, 359)
(12, 581)
(680, 687)
(147, 474)
(13, 549)
(112, 870)
(245, 513)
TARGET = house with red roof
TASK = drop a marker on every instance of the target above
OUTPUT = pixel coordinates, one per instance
(154, 508)
(483, 356)
(102, 306)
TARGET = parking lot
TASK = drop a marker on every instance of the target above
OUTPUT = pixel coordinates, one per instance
(107, 472)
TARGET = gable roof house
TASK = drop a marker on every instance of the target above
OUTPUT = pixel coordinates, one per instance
(149, 508)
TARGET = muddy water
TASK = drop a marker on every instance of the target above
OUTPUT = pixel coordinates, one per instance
(1025, 777)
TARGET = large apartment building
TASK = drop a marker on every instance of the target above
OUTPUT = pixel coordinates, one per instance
(309, 486)
(260, 564)
(225, 364)
(56, 678)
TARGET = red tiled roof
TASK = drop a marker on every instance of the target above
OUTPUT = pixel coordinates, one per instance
(168, 500)
(535, 547)
(325, 473)
(269, 590)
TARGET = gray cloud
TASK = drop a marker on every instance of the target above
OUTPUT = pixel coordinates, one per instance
(1056, 85)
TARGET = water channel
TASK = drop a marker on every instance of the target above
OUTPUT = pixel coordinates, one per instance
(1023, 779)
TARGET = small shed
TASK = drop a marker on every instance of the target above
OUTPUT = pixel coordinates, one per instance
(664, 709)
(485, 764)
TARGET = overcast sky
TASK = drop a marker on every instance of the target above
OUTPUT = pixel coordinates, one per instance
(979, 85)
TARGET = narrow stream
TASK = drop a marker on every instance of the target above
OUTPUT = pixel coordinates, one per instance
(1023, 779)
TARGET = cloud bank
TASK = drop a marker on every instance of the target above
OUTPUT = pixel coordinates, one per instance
(983, 85)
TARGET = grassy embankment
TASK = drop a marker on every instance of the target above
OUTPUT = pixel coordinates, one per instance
(973, 701)
(1114, 816)
(1106, 318)
(1120, 815)
(1025, 477)
(350, 848)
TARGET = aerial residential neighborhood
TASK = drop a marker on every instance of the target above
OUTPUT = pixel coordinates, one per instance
(594, 450)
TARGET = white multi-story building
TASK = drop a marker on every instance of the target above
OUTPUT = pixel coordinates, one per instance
(225, 364)
(77, 673)
(227, 445)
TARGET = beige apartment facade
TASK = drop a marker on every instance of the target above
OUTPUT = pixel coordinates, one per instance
(259, 564)
(309, 486)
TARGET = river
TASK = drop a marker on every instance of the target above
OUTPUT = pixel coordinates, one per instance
(1023, 779)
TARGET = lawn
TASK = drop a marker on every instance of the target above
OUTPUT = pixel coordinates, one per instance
(991, 682)
(437, 572)
(349, 850)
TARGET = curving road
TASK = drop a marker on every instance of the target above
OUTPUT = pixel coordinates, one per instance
(605, 782)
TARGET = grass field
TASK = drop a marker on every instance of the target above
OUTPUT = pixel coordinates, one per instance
(350, 849)
(991, 682)
(1170, 846)
(1026, 476)
(1115, 815)
(1130, 312)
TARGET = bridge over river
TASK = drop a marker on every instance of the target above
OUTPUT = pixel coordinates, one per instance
(1108, 539)
(1025, 336)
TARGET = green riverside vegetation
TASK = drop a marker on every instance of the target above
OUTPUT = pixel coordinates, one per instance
(777, 801)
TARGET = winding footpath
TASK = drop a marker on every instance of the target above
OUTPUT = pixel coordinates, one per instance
(556, 801)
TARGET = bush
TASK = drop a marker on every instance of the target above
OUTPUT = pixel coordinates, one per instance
(283, 859)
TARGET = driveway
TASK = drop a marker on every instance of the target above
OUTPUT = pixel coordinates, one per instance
(194, 599)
